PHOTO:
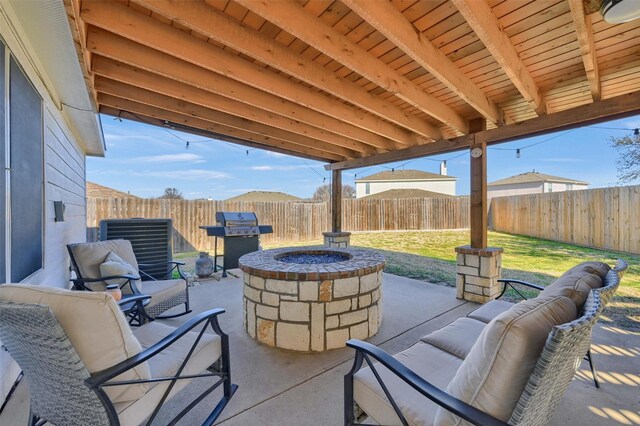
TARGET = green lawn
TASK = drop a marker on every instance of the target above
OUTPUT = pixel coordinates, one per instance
(429, 256)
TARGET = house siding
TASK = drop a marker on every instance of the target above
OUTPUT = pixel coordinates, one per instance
(64, 176)
(443, 186)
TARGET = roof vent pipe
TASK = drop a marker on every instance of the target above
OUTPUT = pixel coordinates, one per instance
(443, 168)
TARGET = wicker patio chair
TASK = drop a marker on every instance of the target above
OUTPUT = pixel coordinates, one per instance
(86, 259)
(607, 291)
(86, 366)
(555, 367)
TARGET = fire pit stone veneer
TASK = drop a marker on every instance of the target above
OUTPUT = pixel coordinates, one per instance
(312, 299)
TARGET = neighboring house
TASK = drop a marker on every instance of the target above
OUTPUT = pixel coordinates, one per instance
(47, 128)
(95, 190)
(532, 183)
(405, 193)
(406, 179)
(264, 196)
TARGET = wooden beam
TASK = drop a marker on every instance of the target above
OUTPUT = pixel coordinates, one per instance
(291, 17)
(117, 95)
(584, 31)
(186, 120)
(336, 201)
(220, 27)
(596, 112)
(116, 18)
(136, 78)
(390, 22)
(481, 19)
(146, 62)
(478, 215)
(142, 118)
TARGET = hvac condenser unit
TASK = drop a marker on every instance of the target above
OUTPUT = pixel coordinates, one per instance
(151, 240)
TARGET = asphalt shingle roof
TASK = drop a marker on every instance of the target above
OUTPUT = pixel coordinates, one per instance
(406, 193)
(95, 190)
(264, 196)
(405, 175)
(535, 177)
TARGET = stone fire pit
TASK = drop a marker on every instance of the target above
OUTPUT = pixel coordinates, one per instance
(312, 299)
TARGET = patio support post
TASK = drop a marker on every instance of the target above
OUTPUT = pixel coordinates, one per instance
(478, 266)
(336, 238)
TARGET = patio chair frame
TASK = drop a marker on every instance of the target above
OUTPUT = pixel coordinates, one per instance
(94, 404)
(606, 294)
(549, 379)
(144, 314)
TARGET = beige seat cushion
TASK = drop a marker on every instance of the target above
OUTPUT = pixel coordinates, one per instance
(89, 257)
(96, 328)
(163, 289)
(576, 285)
(456, 338)
(495, 372)
(487, 312)
(592, 267)
(434, 365)
(166, 364)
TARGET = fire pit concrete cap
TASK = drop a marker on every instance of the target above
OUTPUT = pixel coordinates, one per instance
(266, 264)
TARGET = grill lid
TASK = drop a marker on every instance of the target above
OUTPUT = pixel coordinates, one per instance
(247, 219)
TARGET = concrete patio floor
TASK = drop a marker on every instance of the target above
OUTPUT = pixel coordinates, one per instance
(285, 388)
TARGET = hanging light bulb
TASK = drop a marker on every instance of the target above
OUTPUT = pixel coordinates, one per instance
(187, 147)
(118, 117)
(518, 153)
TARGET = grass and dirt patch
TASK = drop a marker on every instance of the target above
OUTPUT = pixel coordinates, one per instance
(430, 256)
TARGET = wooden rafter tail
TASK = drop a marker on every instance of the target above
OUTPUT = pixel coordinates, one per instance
(216, 25)
(291, 17)
(112, 18)
(135, 84)
(140, 65)
(584, 32)
(486, 26)
(390, 22)
(217, 128)
(142, 118)
(133, 97)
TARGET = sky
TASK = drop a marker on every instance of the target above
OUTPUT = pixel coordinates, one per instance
(144, 160)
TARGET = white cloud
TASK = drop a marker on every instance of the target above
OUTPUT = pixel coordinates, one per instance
(265, 168)
(169, 158)
(191, 174)
(275, 154)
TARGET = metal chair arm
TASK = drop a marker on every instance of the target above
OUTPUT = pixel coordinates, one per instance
(171, 262)
(101, 377)
(509, 283)
(111, 277)
(440, 397)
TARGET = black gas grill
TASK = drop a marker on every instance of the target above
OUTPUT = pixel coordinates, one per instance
(240, 232)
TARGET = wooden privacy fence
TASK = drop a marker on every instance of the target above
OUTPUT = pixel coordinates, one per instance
(291, 221)
(607, 218)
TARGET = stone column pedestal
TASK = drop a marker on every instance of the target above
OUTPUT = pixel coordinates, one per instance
(478, 273)
(337, 239)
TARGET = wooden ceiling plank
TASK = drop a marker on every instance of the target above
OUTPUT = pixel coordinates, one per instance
(208, 21)
(584, 31)
(145, 31)
(124, 53)
(479, 16)
(292, 18)
(134, 77)
(135, 107)
(595, 112)
(388, 21)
